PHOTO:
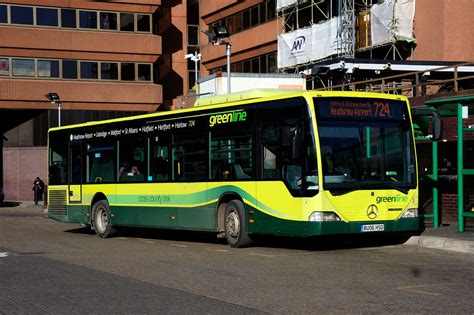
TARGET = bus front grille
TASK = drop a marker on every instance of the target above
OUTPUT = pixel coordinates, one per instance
(57, 202)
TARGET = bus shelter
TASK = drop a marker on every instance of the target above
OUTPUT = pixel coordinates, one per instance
(460, 107)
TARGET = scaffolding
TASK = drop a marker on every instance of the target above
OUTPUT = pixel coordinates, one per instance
(346, 31)
(352, 37)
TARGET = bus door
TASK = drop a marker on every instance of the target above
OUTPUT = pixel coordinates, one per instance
(75, 171)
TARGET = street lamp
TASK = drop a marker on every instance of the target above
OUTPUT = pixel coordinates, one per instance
(55, 99)
(195, 57)
(217, 38)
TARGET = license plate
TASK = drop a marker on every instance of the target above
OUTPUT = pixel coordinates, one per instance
(372, 228)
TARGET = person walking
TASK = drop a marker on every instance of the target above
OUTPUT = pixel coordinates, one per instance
(38, 188)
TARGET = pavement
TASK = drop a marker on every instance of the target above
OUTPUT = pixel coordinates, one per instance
(445, 237)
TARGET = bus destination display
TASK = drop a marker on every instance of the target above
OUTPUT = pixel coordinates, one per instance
(341, 108)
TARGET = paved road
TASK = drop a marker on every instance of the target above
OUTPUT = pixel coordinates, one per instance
(52, 267)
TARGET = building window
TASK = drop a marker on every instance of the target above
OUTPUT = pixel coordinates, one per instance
(246, 19)
(143, 23)
(255, 65)
(144, 72)
(3, 14)
(192, 79)
(108, 21)
(262, 64)
(272, 62)
(47, 17)
(72, 18)
(23, 67)
(69, 69)
(109, 71)
(4, 66)
(89, 70)
(127, 22)
(21, 15)
(271, 10)
(254, 20)
(251, 17)
(68, 18)
(48, 68)
(127, 71)
(193, 35)
(87, 19)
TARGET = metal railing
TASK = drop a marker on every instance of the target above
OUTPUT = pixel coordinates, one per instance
(414, 83)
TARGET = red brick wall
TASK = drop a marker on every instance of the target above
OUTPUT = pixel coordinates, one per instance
(21, 165)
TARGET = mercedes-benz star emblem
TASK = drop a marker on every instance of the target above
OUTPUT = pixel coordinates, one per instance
(372, 212)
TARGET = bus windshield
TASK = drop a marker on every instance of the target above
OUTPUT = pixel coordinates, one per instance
(365, 144)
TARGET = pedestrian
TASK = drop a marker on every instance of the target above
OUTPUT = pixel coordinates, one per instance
(38, 188)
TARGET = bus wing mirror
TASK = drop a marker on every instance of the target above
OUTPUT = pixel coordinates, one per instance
(421, 118)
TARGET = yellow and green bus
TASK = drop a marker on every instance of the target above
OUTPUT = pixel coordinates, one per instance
(275, 162)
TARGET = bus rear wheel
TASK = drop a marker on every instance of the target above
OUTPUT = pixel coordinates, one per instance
(102, 219)
(235, 225)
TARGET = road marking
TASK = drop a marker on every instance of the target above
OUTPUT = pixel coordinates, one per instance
(262, 255)
(179, 245)
(216, 250)
(415, 288)
(4, 254)
(149, 242)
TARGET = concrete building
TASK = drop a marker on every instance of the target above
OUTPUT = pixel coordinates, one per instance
(101, 58)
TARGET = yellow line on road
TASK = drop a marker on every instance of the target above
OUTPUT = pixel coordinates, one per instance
(415, 288)
(262, 255)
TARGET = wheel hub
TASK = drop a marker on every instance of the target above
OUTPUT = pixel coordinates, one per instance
(233, 224)
(102, 219)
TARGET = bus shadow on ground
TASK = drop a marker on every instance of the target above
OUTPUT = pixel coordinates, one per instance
(10, 204)
(158, 234)
(319, 243)
(333, 242)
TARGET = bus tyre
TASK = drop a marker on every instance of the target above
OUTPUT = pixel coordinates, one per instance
(102, 218)
(235, 225)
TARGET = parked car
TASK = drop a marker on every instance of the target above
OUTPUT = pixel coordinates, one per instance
(2, 195)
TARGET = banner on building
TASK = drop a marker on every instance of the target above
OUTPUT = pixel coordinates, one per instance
(281, 4)
(392, 20)
(307, 44)
(324, 39)
(294, 47)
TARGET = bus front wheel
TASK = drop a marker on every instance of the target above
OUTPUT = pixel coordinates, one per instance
(102, 219)
(235, 225)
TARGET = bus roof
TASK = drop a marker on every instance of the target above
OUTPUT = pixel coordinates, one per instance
(241, 96)
(235, 98)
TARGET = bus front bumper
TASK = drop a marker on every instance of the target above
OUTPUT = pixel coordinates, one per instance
(307, 229)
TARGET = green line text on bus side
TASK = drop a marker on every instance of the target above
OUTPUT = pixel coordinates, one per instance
(228, 117)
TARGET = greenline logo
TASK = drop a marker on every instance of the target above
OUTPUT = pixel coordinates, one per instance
(396, 198)
(228, 117)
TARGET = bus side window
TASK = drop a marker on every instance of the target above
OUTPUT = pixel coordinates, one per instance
(101, 165)
(58, 158)
(159, 158)
(132, 159)
(231, 151)
(189, 156)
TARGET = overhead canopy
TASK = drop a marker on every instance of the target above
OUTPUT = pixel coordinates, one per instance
(11, 118)
(447, 106)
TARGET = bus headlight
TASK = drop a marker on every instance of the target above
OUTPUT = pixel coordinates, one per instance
(410, 213)
(320, 216)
